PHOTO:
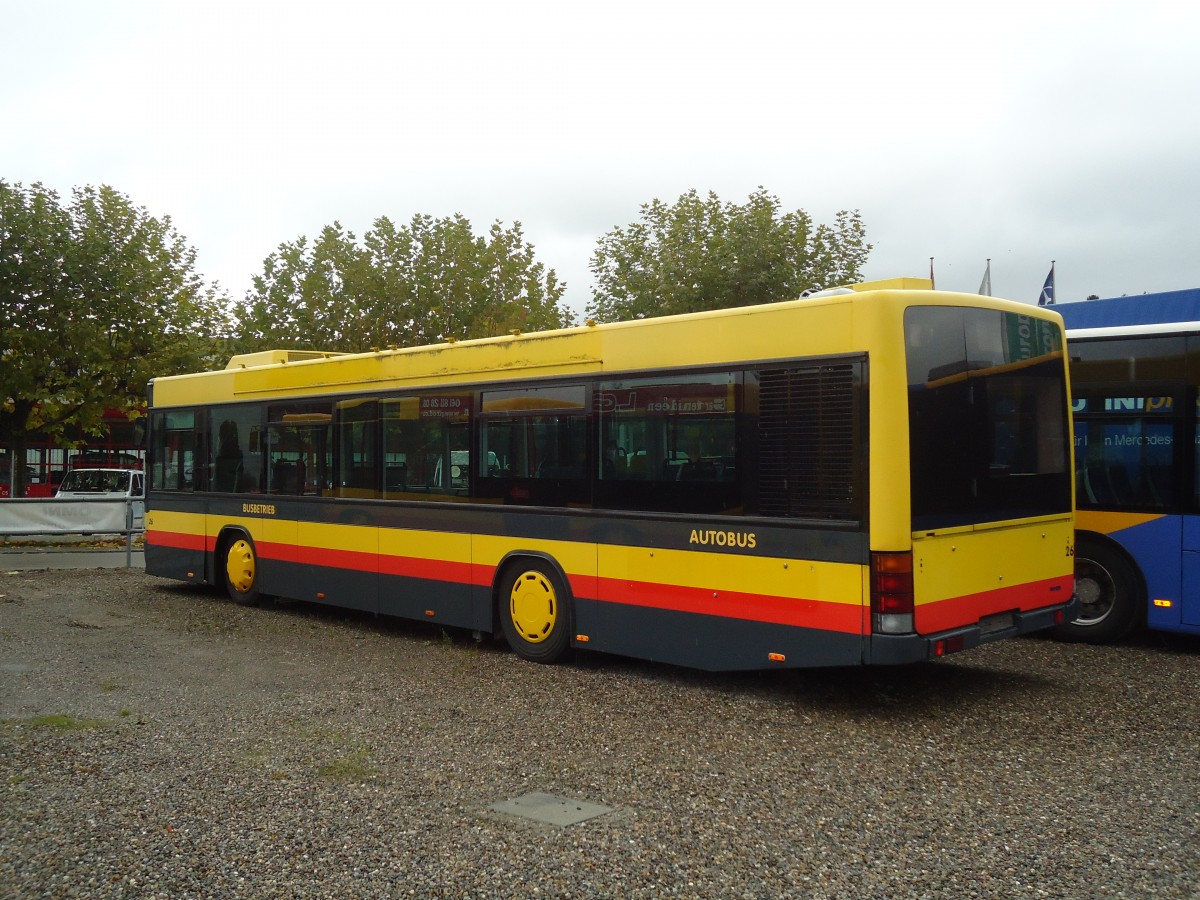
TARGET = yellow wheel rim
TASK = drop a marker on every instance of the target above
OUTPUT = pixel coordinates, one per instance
(533, 606)
(239, 566)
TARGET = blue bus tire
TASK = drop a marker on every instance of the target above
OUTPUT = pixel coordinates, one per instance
(1112, 599)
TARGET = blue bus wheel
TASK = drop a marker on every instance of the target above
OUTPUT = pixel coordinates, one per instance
(1109, 593)
(535, 614)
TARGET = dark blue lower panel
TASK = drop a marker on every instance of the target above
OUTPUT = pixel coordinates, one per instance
(337, 587)
(172, 562)
(715, 644)
(442, 603)
(684, 639)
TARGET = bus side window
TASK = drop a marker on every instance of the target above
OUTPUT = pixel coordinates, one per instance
(669, 443)
(535, 443)
(427, 446)
(228, 466)
(177, 456)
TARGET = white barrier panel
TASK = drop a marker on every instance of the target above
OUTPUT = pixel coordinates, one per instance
(103, 515)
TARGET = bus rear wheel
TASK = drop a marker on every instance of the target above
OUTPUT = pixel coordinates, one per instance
(241, 572)
(1110, 595)
(535, 613)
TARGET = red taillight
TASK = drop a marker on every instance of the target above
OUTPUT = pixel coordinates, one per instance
(891, 583)
(892, 593)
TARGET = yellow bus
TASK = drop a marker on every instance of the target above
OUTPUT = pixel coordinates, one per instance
(876, 475)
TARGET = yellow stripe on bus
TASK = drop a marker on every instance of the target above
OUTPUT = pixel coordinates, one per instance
(717, 571)
(1110, 522)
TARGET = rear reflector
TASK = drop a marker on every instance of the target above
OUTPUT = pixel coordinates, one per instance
(949, 645)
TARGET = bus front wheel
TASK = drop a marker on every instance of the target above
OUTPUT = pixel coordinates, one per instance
(1110, 595)
(241, 572)
(535, 613)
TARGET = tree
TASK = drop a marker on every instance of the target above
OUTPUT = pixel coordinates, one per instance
(402, 286)
(96, 297)
(703, 254)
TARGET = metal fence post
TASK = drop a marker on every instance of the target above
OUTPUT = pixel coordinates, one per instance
(128, 533)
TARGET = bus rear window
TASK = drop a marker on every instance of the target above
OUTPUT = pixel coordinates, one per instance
(987, 414)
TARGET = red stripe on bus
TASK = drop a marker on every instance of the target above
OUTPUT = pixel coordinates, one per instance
(366, 561)
(827, 616)
(956, 612)
(431, 569)
(290, 553)
(179, 540)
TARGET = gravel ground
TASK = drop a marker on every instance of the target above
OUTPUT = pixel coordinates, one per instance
(159, 741)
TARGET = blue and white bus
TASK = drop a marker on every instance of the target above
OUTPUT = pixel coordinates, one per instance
(1135, 383)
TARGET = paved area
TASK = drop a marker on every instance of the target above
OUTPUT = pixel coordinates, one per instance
(24, 559)
(160, 741)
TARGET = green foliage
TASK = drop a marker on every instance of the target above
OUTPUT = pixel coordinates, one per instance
(703, 254)
(401, 286)
(96, 297)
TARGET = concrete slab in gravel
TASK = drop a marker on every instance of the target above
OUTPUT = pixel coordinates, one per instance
(551, 809)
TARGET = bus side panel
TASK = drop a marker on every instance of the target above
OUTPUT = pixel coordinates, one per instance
(963, 576)
(1154, 542)
(1190, 611)
(282, 571)
(175, 545)
(728, 611)
(1156, 547)
(719, 643)
(339, 564)
(1190, 589)
(427, 576)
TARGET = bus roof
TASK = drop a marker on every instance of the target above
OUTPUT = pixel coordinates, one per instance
(1134, 330)
(834, 324)
(270, 357)
(1140, 309)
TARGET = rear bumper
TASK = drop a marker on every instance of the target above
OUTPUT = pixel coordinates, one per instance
(897, 649)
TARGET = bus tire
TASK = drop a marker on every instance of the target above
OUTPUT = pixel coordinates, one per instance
(240, 570)
(1110, 594)
(535, 612)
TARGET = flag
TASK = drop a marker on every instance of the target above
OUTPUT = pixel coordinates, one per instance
(985, 286)
(932, 283)
(1047, 297)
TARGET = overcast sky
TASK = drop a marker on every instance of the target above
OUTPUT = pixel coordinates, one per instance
(1024, 131)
